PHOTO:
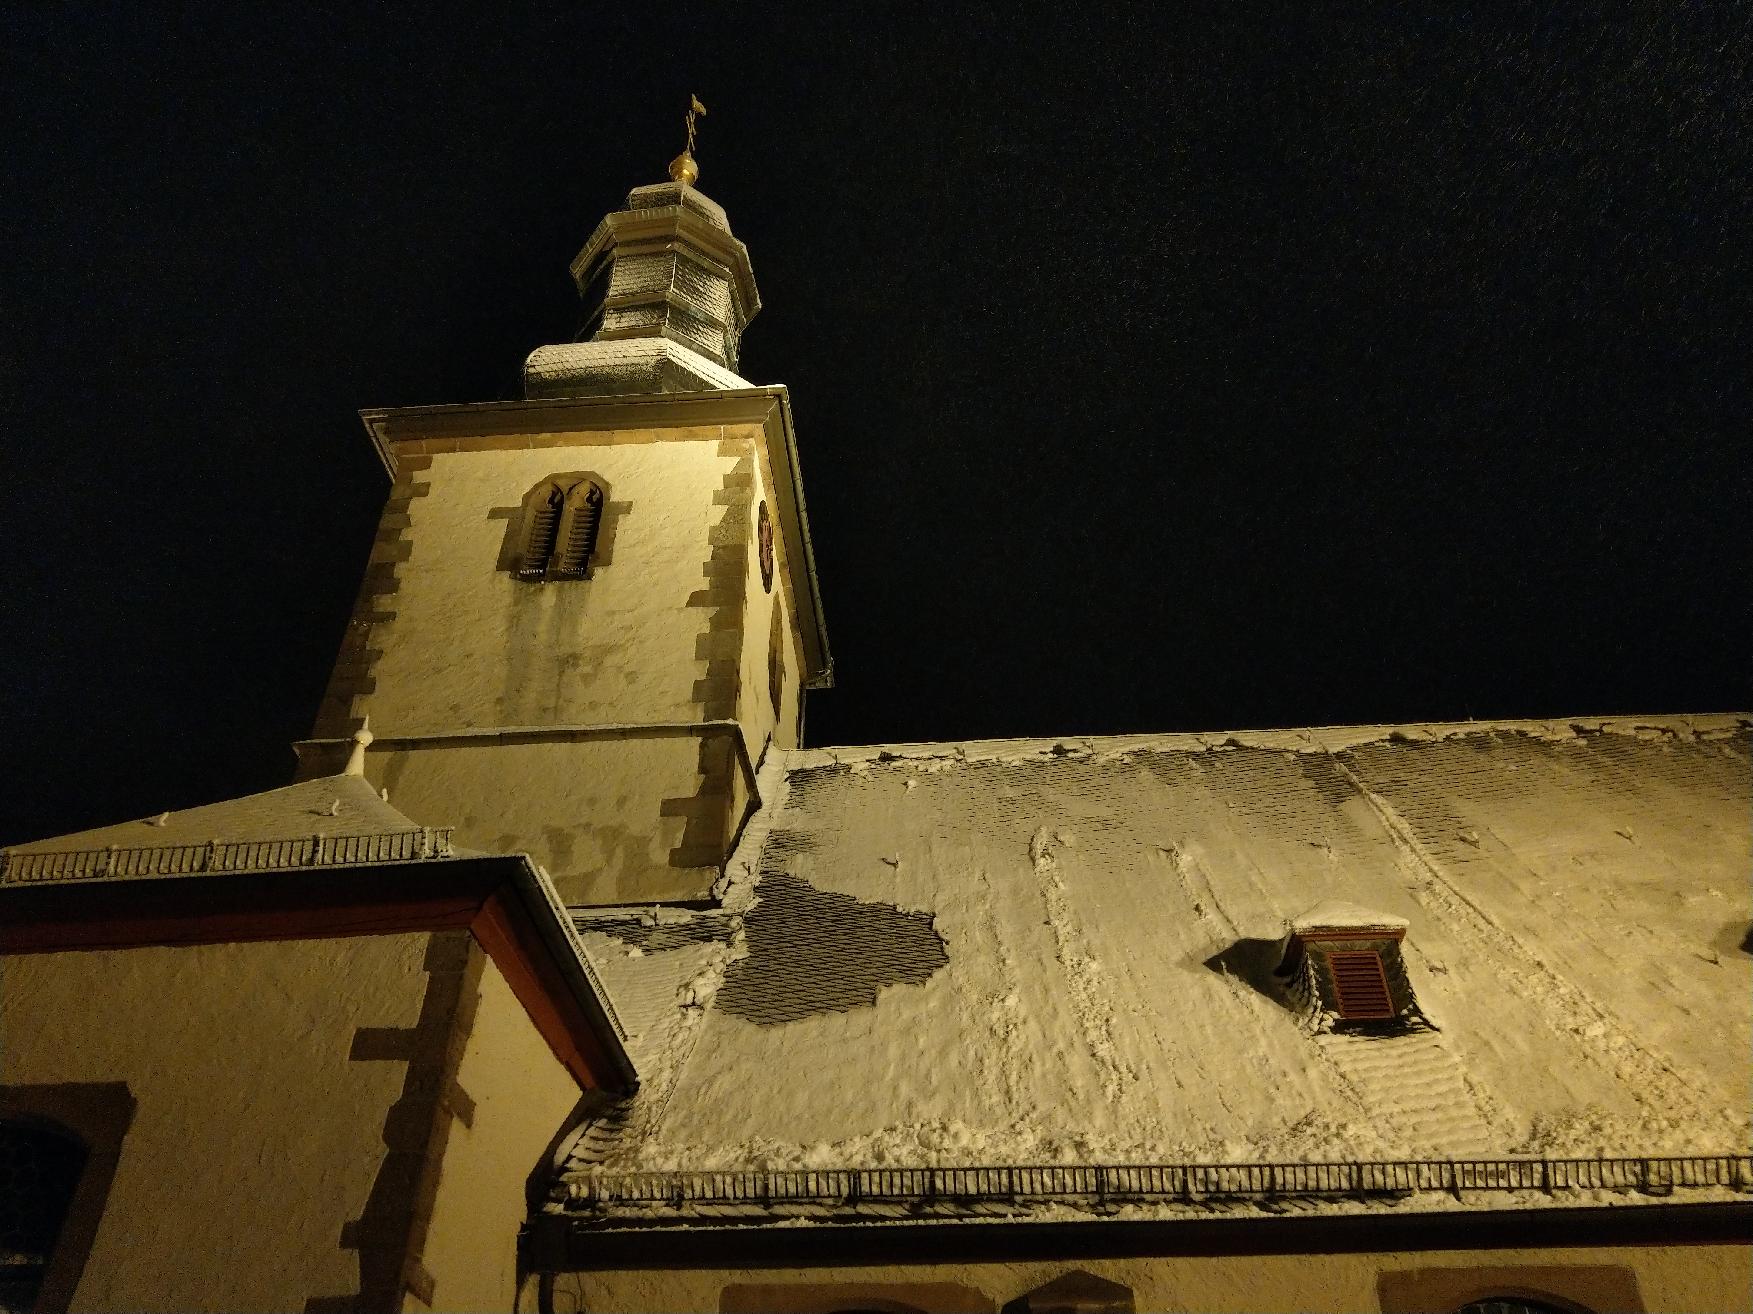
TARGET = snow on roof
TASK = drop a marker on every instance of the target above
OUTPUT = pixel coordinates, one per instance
(329, 806)
(1061, 951)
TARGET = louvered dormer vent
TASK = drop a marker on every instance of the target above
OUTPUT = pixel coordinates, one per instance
(1343, 964)
(1360, 984)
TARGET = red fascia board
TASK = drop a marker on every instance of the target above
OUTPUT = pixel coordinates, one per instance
(293, 905)
(506, 931)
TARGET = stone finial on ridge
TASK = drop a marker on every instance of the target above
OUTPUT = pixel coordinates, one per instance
(362, 738)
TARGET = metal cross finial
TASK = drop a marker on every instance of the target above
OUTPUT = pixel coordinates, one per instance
(682, 168)
(695, 109)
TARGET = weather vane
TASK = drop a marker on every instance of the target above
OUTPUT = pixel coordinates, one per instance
(682, 168)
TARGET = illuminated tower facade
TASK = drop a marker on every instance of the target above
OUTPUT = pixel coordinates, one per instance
(587, 614)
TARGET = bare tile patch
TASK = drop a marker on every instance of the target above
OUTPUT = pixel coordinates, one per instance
(661, 936)
(813, 952)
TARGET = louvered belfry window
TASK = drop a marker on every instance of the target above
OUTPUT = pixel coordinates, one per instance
(563, 516)
(1361, 984)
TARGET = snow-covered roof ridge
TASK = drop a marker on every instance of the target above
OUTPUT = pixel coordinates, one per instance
(1307, 739)
(1063, 951)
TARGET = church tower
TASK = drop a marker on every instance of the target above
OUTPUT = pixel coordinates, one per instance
(587, 614)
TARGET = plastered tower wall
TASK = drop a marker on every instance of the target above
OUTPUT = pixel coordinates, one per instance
(769, 637)
(609, 726)
(472, 647)
(573, 719)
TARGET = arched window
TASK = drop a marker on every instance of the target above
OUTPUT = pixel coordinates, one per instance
(562, 517)
(39, 1170)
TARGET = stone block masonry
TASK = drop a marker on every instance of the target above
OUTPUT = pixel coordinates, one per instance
(351, 682)
(707, 813)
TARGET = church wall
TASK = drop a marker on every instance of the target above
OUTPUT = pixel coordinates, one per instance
(792, 700)
(607, 819)
(727, 597)
(1702, 1279)
(518, 1098)
(261, 1101)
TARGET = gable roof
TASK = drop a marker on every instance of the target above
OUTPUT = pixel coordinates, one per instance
(292, 812)
(1109, 910)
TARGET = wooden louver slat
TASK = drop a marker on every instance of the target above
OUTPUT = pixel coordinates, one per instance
(1361, 985)
(576, 540)
(542, 533)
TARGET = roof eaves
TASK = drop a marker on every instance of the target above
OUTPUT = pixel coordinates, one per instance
(558, 1242)
(320, 900)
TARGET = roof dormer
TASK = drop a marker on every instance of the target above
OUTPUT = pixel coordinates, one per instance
(1343, 963)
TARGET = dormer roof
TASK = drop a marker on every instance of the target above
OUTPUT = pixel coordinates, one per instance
(1335, 916)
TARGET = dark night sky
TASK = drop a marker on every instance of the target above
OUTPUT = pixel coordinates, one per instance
(1276, 366)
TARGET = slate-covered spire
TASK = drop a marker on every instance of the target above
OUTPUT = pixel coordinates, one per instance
(667, 294)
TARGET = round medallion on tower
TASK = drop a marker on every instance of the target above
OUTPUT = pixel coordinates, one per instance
(764, 544)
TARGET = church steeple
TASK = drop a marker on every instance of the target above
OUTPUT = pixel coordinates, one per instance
(588, 613)
(667, 292)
